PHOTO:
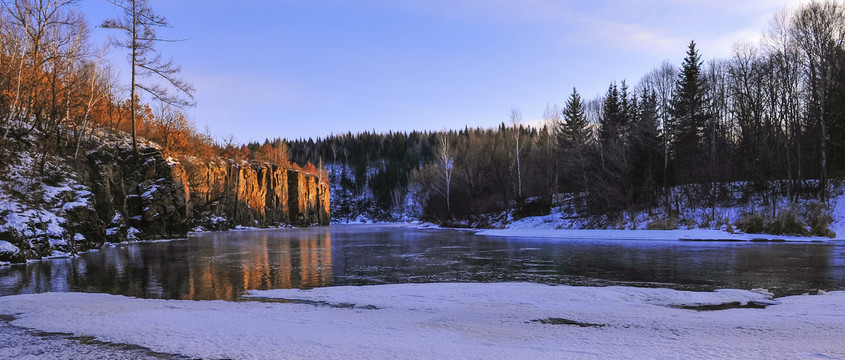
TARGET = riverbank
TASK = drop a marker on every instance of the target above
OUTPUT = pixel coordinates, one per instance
(652, 235)
(560, 224)
(448, 320)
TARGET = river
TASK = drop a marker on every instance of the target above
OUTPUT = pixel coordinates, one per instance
(224, 265)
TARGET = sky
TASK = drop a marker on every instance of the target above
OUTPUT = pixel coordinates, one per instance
(310, 68)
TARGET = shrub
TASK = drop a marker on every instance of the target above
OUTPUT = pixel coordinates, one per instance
(819, 218)
(787, 222)
(670, 223)
(534, 207)
(751, 222)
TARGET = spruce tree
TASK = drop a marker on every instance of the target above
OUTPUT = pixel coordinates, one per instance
(612, 119)
(647, 149)
(573, 130)
(573, 135)
(689, 118)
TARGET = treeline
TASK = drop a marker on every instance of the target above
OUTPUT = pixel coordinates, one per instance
(56, 88)
(768, 123)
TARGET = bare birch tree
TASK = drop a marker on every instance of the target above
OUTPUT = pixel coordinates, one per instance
(516, 120)
(445, 156)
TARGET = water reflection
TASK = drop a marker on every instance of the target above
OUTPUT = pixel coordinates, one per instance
(214, 266)
(420, 257)
(225, 265)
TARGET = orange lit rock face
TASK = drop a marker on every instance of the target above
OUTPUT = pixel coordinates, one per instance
(259, 194)
(309, 199)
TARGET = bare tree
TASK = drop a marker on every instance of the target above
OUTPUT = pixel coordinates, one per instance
(662, 81)
(139, 24)
(819, 31)
(785, 86)
(516, 120)
(98, 88)
(172, 128)
(551, 120)
(445, 156)
(49, 38)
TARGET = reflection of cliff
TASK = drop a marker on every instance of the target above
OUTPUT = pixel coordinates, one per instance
(227, 271)
(259, 194)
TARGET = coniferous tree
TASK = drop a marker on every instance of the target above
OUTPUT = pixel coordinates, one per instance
(609, 179)
(612, 119)
(573, 130)
(573, 136)
(647, 149)
(689, 118)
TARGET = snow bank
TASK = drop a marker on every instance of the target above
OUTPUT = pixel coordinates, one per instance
(663, 235)
(435, 321)
(7, 248)
(837, 211)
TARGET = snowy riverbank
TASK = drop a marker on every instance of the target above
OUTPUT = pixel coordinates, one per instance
(447, 320)
(653, 235)
(557, 226)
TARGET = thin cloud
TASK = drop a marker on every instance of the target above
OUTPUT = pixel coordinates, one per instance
(498, 11)
(664, 26)
(625, 36)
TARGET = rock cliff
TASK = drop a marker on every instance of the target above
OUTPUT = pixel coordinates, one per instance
(259, 194)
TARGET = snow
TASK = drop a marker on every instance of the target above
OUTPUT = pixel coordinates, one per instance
(73, 205)
(837, 209)
(560, 224)
(7, 248)
(147, 195)
(24, 344)
(132, 233)
(22, 222)
(447, 320)
(654, 235)
(32, 207)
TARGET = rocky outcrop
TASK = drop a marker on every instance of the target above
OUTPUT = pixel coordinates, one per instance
(309, 198)
(139, 195)
(113, 194)
(226, 194)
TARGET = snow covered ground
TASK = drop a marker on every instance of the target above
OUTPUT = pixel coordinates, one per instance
(661, 235)
(557, 225)
(448, 320)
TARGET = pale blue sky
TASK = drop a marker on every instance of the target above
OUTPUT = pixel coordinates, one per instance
(309, 68)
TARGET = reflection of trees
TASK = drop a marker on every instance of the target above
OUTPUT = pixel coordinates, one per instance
(216, 266)
(225, 265)
(785, 268)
